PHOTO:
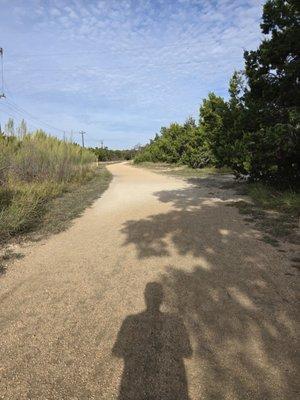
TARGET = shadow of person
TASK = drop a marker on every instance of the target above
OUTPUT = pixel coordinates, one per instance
(153, 345)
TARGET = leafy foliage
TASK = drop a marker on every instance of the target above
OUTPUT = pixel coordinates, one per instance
(256, 131)
(106, 154)
(269, 147)
(177, 144)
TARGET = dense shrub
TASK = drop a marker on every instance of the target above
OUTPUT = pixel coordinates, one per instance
(106, 154)
(39, 157)
(270, 154)
(269, 147)
(177, 144)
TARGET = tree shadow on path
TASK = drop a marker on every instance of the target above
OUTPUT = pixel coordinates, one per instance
(233, 295)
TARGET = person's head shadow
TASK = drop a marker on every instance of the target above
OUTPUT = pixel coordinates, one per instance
(154, 296)
(153, 345)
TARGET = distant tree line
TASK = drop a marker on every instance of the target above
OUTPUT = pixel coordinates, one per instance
(106, 154)
(256, 131)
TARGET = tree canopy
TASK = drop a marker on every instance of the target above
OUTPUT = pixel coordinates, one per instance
(255, 131)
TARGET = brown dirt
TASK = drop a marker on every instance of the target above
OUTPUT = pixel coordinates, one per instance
(63, 303)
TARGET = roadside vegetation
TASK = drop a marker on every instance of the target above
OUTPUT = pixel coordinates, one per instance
(105, 154)
(35, 171)
(274, 211)
(256, 131)
(183, 170)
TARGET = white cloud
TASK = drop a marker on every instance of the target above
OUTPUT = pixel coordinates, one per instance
(158, 57)
(55, 12)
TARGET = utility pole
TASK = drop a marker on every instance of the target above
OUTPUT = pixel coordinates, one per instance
(82, 133)
(2, 74)
(2, 95)
(101, 144)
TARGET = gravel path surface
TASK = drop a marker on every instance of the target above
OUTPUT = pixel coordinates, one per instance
(220, 321)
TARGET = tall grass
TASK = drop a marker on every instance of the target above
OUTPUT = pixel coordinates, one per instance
(34, 169)
(266, 196)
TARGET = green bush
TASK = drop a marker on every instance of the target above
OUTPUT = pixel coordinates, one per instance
(256, 131)
(177, 144)
(106, 154)
(197, 157)
(26, 206)
(270, 154)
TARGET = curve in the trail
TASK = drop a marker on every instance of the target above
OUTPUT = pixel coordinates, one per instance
(159, 291)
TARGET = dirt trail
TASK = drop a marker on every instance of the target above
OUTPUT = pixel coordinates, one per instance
(62, 305)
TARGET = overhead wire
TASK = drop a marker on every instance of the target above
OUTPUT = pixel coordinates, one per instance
(16, 114)
(11, 112)
(2, 72)
(22, 110)
(20, 114)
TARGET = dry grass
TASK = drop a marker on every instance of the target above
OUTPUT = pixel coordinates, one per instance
(275, 212)
(33, 170)
(182, 170)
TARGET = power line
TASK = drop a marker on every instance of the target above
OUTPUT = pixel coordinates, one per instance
(11, 112)
(2, 95)
(17, 114)
(22, 110)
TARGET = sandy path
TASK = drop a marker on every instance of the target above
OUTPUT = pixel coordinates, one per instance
(62, 305)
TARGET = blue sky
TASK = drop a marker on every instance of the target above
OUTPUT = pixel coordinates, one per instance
(119, 69)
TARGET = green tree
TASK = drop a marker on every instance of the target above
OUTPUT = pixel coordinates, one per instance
(177, 144)
(215, 124)
(255, 132)
(273, 70)
(270, 146)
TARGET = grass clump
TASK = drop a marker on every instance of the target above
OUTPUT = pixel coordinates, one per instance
(61, 210)
(24, 205)
(183, 170)
(33, 170)
(276, 212)
(287, 201)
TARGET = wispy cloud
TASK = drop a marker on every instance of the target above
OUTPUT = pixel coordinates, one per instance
(153, 58)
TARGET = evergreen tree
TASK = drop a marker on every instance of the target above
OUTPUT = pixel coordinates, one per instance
(273, 70)
(270, 147)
